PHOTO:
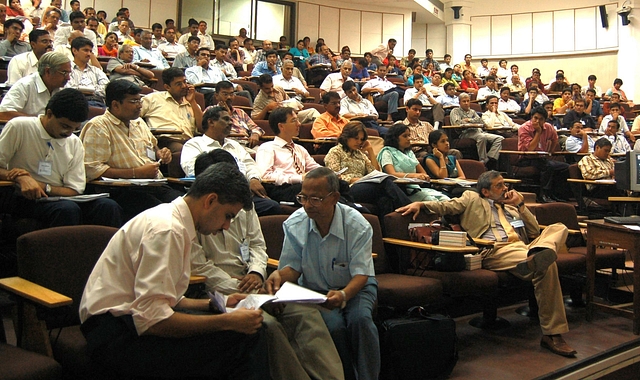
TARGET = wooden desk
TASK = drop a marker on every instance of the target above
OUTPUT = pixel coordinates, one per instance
(165, 131)
(99, 182)
(6, 183)
(600, 233)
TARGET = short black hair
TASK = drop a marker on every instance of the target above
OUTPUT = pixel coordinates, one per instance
(11, 21)
(413, 101)
(277, 116)
(117, 90)
(592, 77)
(326, 98)
(222, 46)
(490, 78)
(193, 22)
(37, 33)
(602, 142)
(271, 52)
(81, 42)
(540, 111)
(505, 88)
(617, 81)
(69, 103)
(447, 86)
(264, 79)
(488, 98)
(211, 113)
(223, 85)
(203, 49)
(156, 25)
(427, 51)
(76, 14)
(212, 157)
(193, 38)
(171, 73)
(348, 85)
(392, 137)
(226, 181)
(418, 76)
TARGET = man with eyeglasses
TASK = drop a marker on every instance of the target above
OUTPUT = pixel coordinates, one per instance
(29, 95)
(327, 248)
(174, 108)
(242, 125)
(119, 144)
(330, 123)
(27, 63)
(500, 215)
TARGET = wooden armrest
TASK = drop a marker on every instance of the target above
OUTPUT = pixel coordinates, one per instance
(34, 292)
(429, 247)
(571, 232)
(484, 242)
(197, 279)
(582, 224)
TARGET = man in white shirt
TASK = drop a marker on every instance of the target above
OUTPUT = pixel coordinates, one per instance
(77, 23)
(505, 103)
(483, 70)
(592, 85)
(24, 64)
(44, 158)
(355, 106)
(383, 51)
(235, 261)
(84, 77)
(157, 39)
(288, 82)
(249, 50)
(217, 127)
(138, 328)
(170, 48)
(384, 90)
(205, 39)
(145, 53)
(281, 161)
(491, 88)
(420, 92)
(92, 25)
(193, 31)
(220, 62)
(124, 33)
(615, 114)
(30, 95)
(334, 81)
(494, 118)
(464, 114)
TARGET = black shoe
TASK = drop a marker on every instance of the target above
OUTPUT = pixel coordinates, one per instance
(546, 199)
(557, 198)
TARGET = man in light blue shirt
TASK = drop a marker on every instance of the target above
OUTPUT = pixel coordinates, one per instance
(449, 99)
(267, 67)
(145, 53)
(327, 248)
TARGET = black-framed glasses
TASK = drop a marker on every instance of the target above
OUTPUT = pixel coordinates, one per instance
(313, 201)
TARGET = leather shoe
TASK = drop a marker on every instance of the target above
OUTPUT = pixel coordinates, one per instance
(538, 261)
(546, 199)
(557, 345)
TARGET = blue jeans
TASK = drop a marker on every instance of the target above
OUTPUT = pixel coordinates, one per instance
(355, 335)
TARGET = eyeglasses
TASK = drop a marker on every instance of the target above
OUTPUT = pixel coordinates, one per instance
(313, 201)
(64, 72)
(134, 101)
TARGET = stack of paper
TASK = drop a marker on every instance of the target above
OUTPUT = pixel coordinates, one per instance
(473, 262)
(453, 238)
(76, 198)
(288, 293)
(132, 181)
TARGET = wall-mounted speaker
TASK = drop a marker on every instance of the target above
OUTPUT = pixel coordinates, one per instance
(603, 16)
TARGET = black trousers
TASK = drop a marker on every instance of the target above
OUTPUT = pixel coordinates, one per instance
(114, 344)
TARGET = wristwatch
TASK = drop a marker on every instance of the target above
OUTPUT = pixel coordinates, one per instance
(521, 204)
(344, 299)
(47, 189)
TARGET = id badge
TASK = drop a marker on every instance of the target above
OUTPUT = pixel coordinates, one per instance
(517, 223)
(244, 251)
(45, 168)
(151, 154)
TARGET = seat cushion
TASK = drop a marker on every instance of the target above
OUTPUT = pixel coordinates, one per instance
(462, 284)
(605, 257)
(569, 263)
(404, 291)
(16, 363)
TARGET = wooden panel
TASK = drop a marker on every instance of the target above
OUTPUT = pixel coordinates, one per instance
(501, 35)
(111, 7)
(481, 36)
(521, 34)
(542, 32)
(371, 31)
(329, 18)
(308, 16)
(164, 9)
(607, 38)
(350, 30)
(34, 292)
(563, 30)
(587, 20)
(139, 8)
(436, 40)
(393, 27)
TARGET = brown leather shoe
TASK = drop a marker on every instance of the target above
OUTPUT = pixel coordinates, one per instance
(557, 345)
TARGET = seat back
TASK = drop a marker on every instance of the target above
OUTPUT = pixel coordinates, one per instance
(381, 263)
(472, 168)
(273, 234)
(558, 212)
(248, 85)
(574, 171)
(61, 259)
(264, 124)
(317, 106)
(315, 93)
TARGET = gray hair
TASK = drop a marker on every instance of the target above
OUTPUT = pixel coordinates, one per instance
(346, 61)
(286, 61)
(51, 60)
(464, 95)
(122, 47)
(485, 179)
(323, 172)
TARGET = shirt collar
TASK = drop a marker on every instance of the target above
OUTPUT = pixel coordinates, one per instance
(336, 224)
(46, 137)
(186, 216)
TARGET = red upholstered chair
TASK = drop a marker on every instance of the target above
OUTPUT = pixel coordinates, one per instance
(472, 168)
(19, 364)
(60, 259)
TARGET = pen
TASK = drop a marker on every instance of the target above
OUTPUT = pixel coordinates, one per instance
(333, 263)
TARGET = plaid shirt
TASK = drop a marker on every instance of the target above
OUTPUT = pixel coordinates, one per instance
(109, 143)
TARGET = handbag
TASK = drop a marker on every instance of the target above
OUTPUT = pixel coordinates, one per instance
(440, 261)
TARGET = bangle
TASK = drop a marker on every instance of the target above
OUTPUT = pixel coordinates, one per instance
(405, 175)
(134, 173)
(344, 299)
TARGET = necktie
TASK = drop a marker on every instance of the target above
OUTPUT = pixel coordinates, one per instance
(508, 228)
(297, 164)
